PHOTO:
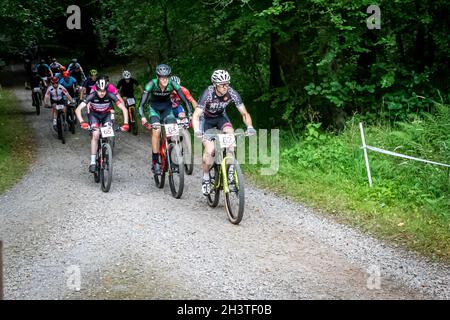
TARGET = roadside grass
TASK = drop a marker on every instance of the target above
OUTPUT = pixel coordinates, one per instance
(409, 203)
(16, 150)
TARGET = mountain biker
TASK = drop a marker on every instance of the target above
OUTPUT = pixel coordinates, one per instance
(55, 66)
(177, 109)
(157, 93)
(77, 72)
(59, 74)
(212, 105)
(44, 71)
(100, 103)
(69, 83)
(126, 85)
(35, 82)
(55, 95)
(89, 83)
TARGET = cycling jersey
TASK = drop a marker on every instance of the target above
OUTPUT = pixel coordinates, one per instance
(111, 89)
(100, 105)
(213, 105)
(68, 84)
(88, 84)
(127, 88)
(42, 69)
(176, 101)
(55, 66)
(78, 75)
(159, 99)
(56, 94)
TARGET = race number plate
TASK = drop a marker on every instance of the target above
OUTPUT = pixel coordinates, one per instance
(36, 89)
(131, 101)
(59, 107)
(226, 140)
(107, 132)
(172, 129)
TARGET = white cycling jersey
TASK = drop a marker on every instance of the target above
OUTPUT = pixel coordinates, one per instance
(56, 94)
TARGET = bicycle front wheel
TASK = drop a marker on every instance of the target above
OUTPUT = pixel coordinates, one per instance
(235, 195)
(106, 167)
(214, 195)
(133, 121)
(59, 126)
(187, 151)
(176, 170)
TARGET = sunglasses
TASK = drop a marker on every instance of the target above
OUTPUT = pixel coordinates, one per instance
(223, 85)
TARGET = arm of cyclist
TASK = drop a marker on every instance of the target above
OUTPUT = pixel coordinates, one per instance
(196, 122)
(184, 99)
(122, 107)
(144, 98)
(66, 93)
(80, 107)
(247, 120)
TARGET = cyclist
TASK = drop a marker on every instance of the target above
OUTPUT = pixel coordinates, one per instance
(59, 74)
(35, 82)
(89, 83)
(100, 103)
(54, 96)
(126, 85)
(157, 93)
(69, 83)
(177, 109)
(44, 71)
(55, 66)
(212, 105)
(77, 72)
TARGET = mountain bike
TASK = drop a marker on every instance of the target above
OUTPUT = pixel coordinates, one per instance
(170, 158)
(104, 164)
(226, 175)
(60, 117)
(36, 96)
(71, 118)
(130, 104)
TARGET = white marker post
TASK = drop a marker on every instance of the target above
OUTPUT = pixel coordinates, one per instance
(366, 157)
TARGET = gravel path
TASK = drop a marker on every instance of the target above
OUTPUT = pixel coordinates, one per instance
(137, 242)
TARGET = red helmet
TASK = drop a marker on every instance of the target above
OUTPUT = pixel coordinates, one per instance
(66, 74)
(54, 80)
(62, 68)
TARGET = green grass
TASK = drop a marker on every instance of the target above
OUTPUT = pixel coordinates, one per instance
(409, 202)
(15, 142)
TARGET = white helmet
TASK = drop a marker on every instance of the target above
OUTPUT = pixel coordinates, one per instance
(126, 74)
(220, 76)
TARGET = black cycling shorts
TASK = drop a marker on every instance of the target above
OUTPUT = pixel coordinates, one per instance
(97, 120)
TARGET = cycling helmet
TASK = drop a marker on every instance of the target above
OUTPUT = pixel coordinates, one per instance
(66, 74)
(176, 79)
(54, 80)
(53, 59)
(101, 84)
(126, 74)
(62, 68)
(42, 61)
(163, 70)
(220, 76)
(93, 72)
(74, 60)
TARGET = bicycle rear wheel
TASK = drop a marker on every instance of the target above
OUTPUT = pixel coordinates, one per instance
(176, 170)
(187, 151)
(235, 195)
(106, 167)
(214, 175)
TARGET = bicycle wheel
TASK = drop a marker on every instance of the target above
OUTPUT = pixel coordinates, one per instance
(215, 176)
(133, 122)
(160, 179)
(97, 169)
(235, 197)
(37, 103)
(71, 120)
(106, 168)
(176, 170)
(59, 126)
(188, 155)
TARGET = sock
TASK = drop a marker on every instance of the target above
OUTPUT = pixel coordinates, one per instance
(205, 175)
(155, 157)
(54, 122)
(93, 157)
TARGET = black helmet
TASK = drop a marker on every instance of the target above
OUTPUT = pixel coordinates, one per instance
(163, 70)
(101, 84)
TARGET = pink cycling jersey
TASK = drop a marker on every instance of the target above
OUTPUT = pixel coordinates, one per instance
(111, 88)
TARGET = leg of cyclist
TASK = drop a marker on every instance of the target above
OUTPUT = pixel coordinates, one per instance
(95, 124)
(54, 113)
(155, 120)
